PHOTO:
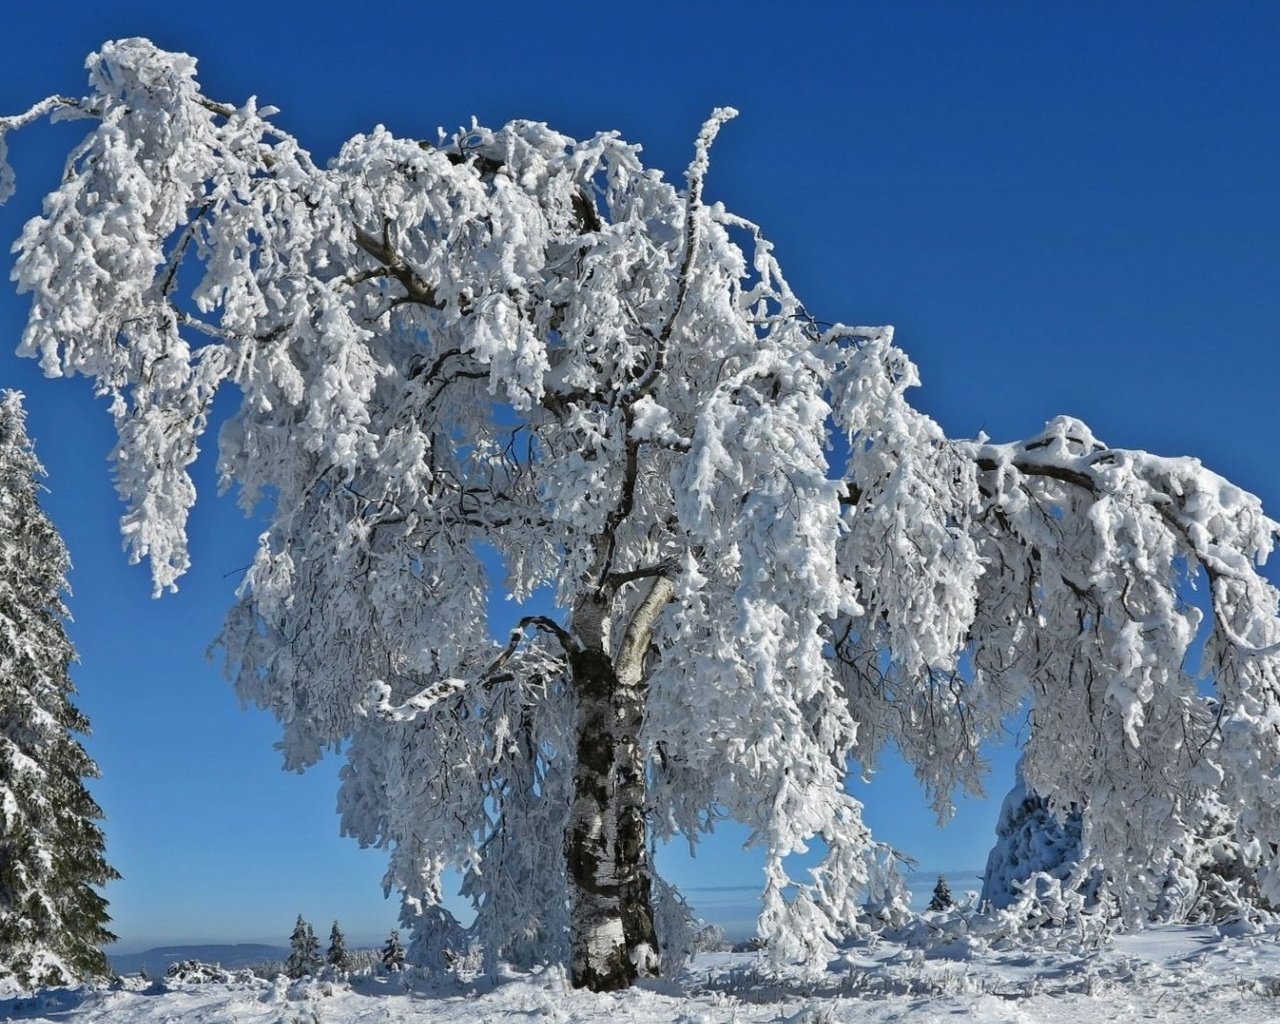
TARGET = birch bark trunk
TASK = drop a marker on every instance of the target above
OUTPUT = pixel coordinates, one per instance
(612, 935)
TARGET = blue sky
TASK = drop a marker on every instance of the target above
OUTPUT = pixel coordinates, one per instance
(1063, 208)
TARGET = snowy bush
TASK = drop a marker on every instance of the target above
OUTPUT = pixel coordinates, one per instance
(438, 942)
(196, 972)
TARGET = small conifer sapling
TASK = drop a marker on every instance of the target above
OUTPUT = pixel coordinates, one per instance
(942, 898)
(338, 957)
(393, 952)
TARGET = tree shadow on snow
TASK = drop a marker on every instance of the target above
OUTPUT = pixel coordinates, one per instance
(44, 1003)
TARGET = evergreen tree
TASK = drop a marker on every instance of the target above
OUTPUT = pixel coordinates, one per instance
(52, 920)
(393, 952)
(338, 956)
(304, 951)
(1031, 839)
(1209, 874)
(942, 898)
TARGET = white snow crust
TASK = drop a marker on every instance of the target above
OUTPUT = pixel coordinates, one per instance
(1171, 974)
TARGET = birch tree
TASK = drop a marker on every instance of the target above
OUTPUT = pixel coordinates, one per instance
(508, 363)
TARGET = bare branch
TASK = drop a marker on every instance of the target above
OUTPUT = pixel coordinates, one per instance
(547, 625)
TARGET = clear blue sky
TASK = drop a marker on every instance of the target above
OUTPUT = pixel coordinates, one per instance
(1063, 208)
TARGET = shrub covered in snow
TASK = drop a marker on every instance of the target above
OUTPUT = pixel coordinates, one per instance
(196, 972)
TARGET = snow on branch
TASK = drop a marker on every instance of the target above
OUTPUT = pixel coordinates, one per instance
(407, 711)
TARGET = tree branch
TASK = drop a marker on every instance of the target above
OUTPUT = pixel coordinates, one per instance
(45, 107)
(548, 625)
(1075, 477)
(639, 632)
(696, 176)
(416, 289)
(614, 580)
(380, 696)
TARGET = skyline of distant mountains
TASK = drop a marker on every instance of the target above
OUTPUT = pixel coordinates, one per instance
(229, 955)
(716, 904)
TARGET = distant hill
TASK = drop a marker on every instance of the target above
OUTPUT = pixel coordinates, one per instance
(157, 960)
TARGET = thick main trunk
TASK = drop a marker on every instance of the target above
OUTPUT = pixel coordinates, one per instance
(611, 915)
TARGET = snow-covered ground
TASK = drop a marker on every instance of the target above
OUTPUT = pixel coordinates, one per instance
(1167, 974)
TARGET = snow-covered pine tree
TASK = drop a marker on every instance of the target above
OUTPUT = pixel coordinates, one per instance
(393, 958)
(1031, 839)
(510, 346)
(52, 919)
(941, 898)
(304, 951)
(337, 955)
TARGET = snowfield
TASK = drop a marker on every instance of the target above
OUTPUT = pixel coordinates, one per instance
(1169, 974)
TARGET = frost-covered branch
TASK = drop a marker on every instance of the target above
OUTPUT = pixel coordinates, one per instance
(695, 175)
(492, 675)
(44, 108)
(416, 290)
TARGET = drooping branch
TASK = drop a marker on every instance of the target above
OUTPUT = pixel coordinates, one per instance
(493, 674)
(1164, 504)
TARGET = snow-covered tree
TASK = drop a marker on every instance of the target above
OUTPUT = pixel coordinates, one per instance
(393, 958)
(941, 898)
(304, 951)
(438, 941)
(52, 919)
(1031, 839)
(1209, 873)
(508, 361)
(337, 956)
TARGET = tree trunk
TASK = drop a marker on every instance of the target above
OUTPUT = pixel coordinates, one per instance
(612, 934)
(611, 917)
